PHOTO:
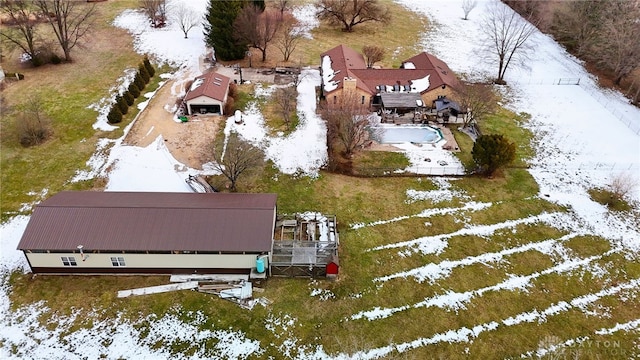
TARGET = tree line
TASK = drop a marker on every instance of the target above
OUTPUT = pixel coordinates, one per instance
(605, 33)
(126, 98)
(232, 27)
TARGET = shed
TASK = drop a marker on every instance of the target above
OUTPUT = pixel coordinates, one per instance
(208, 94)
(333, 267)
(146, 233)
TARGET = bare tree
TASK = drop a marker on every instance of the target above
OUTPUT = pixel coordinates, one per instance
(156, 11)
(372, 54)
(478, 101)
(576, 24)
(186, 18)
(348, 123)
(235, 158)
(289, 38)
(467, 6)
(282, 6)
(619, 46)
(349, 13)
(506, 37)
(285, 100)
(256, 27)
(623, 184)
(70, 20)
(20, 29)
(34, 127)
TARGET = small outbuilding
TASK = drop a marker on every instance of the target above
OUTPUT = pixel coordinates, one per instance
(207, 94)
(150, 233)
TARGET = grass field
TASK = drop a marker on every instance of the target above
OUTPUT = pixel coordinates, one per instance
(508, 269)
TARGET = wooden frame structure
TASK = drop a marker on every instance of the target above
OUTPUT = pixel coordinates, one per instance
(304, 245)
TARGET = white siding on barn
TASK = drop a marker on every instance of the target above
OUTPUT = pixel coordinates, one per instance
(205, 100)
(167, 261)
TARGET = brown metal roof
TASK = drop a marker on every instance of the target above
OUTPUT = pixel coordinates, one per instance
(440, 72)
(134, 221)
(350, 63)
(212, 85)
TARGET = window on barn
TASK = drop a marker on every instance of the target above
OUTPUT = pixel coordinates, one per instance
(69, 261)
(117, 261)
(363, 100)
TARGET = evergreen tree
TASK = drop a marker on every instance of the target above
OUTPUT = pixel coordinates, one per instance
(114, 116)
(134, 90)
(139, 81)
(491, 152)
(144, 74)
(128, 98)
(147, 64)
(218, 29)
(122, 105)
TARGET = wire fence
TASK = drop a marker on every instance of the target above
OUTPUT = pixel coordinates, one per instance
(632, 122)
(435, 170)
(547, 81)
(412, 171)
(597, 166)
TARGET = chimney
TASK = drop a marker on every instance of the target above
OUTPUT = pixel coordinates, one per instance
(349, 84)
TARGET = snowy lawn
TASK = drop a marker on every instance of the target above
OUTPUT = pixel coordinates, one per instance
(431, 268)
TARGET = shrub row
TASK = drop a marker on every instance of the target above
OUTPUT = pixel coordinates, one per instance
(127, 98)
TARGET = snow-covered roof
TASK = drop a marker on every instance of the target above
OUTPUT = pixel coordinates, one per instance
(422, 72)
(212, 85)
(328, 75)
(420, 85)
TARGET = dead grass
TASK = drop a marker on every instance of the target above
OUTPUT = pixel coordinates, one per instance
(405, 25)
(66, 90)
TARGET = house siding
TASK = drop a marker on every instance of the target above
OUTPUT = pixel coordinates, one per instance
(140, 263)
(430, 96)
(339, 96)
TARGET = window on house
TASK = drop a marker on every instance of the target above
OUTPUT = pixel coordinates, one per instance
(69, 261)
(117, 261)
(335, 99)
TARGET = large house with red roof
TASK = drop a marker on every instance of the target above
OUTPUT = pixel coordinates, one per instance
(208, 94)
(420, 80)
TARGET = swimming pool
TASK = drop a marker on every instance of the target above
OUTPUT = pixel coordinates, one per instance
(420, 134)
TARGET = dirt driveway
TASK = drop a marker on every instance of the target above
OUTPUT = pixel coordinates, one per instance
(190, 143)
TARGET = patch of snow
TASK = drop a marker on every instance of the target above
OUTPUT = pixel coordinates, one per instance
(103, 106)
(196, 83)
(10, 258)
(328, 75)
(433, 271)
(421, 84)
(425, 244)
(470, 206)
(301, 152)
(307, 19)
(147, 169)
(628, 326)
(409, 65)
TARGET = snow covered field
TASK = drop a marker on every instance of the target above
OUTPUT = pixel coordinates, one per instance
(584, 136)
